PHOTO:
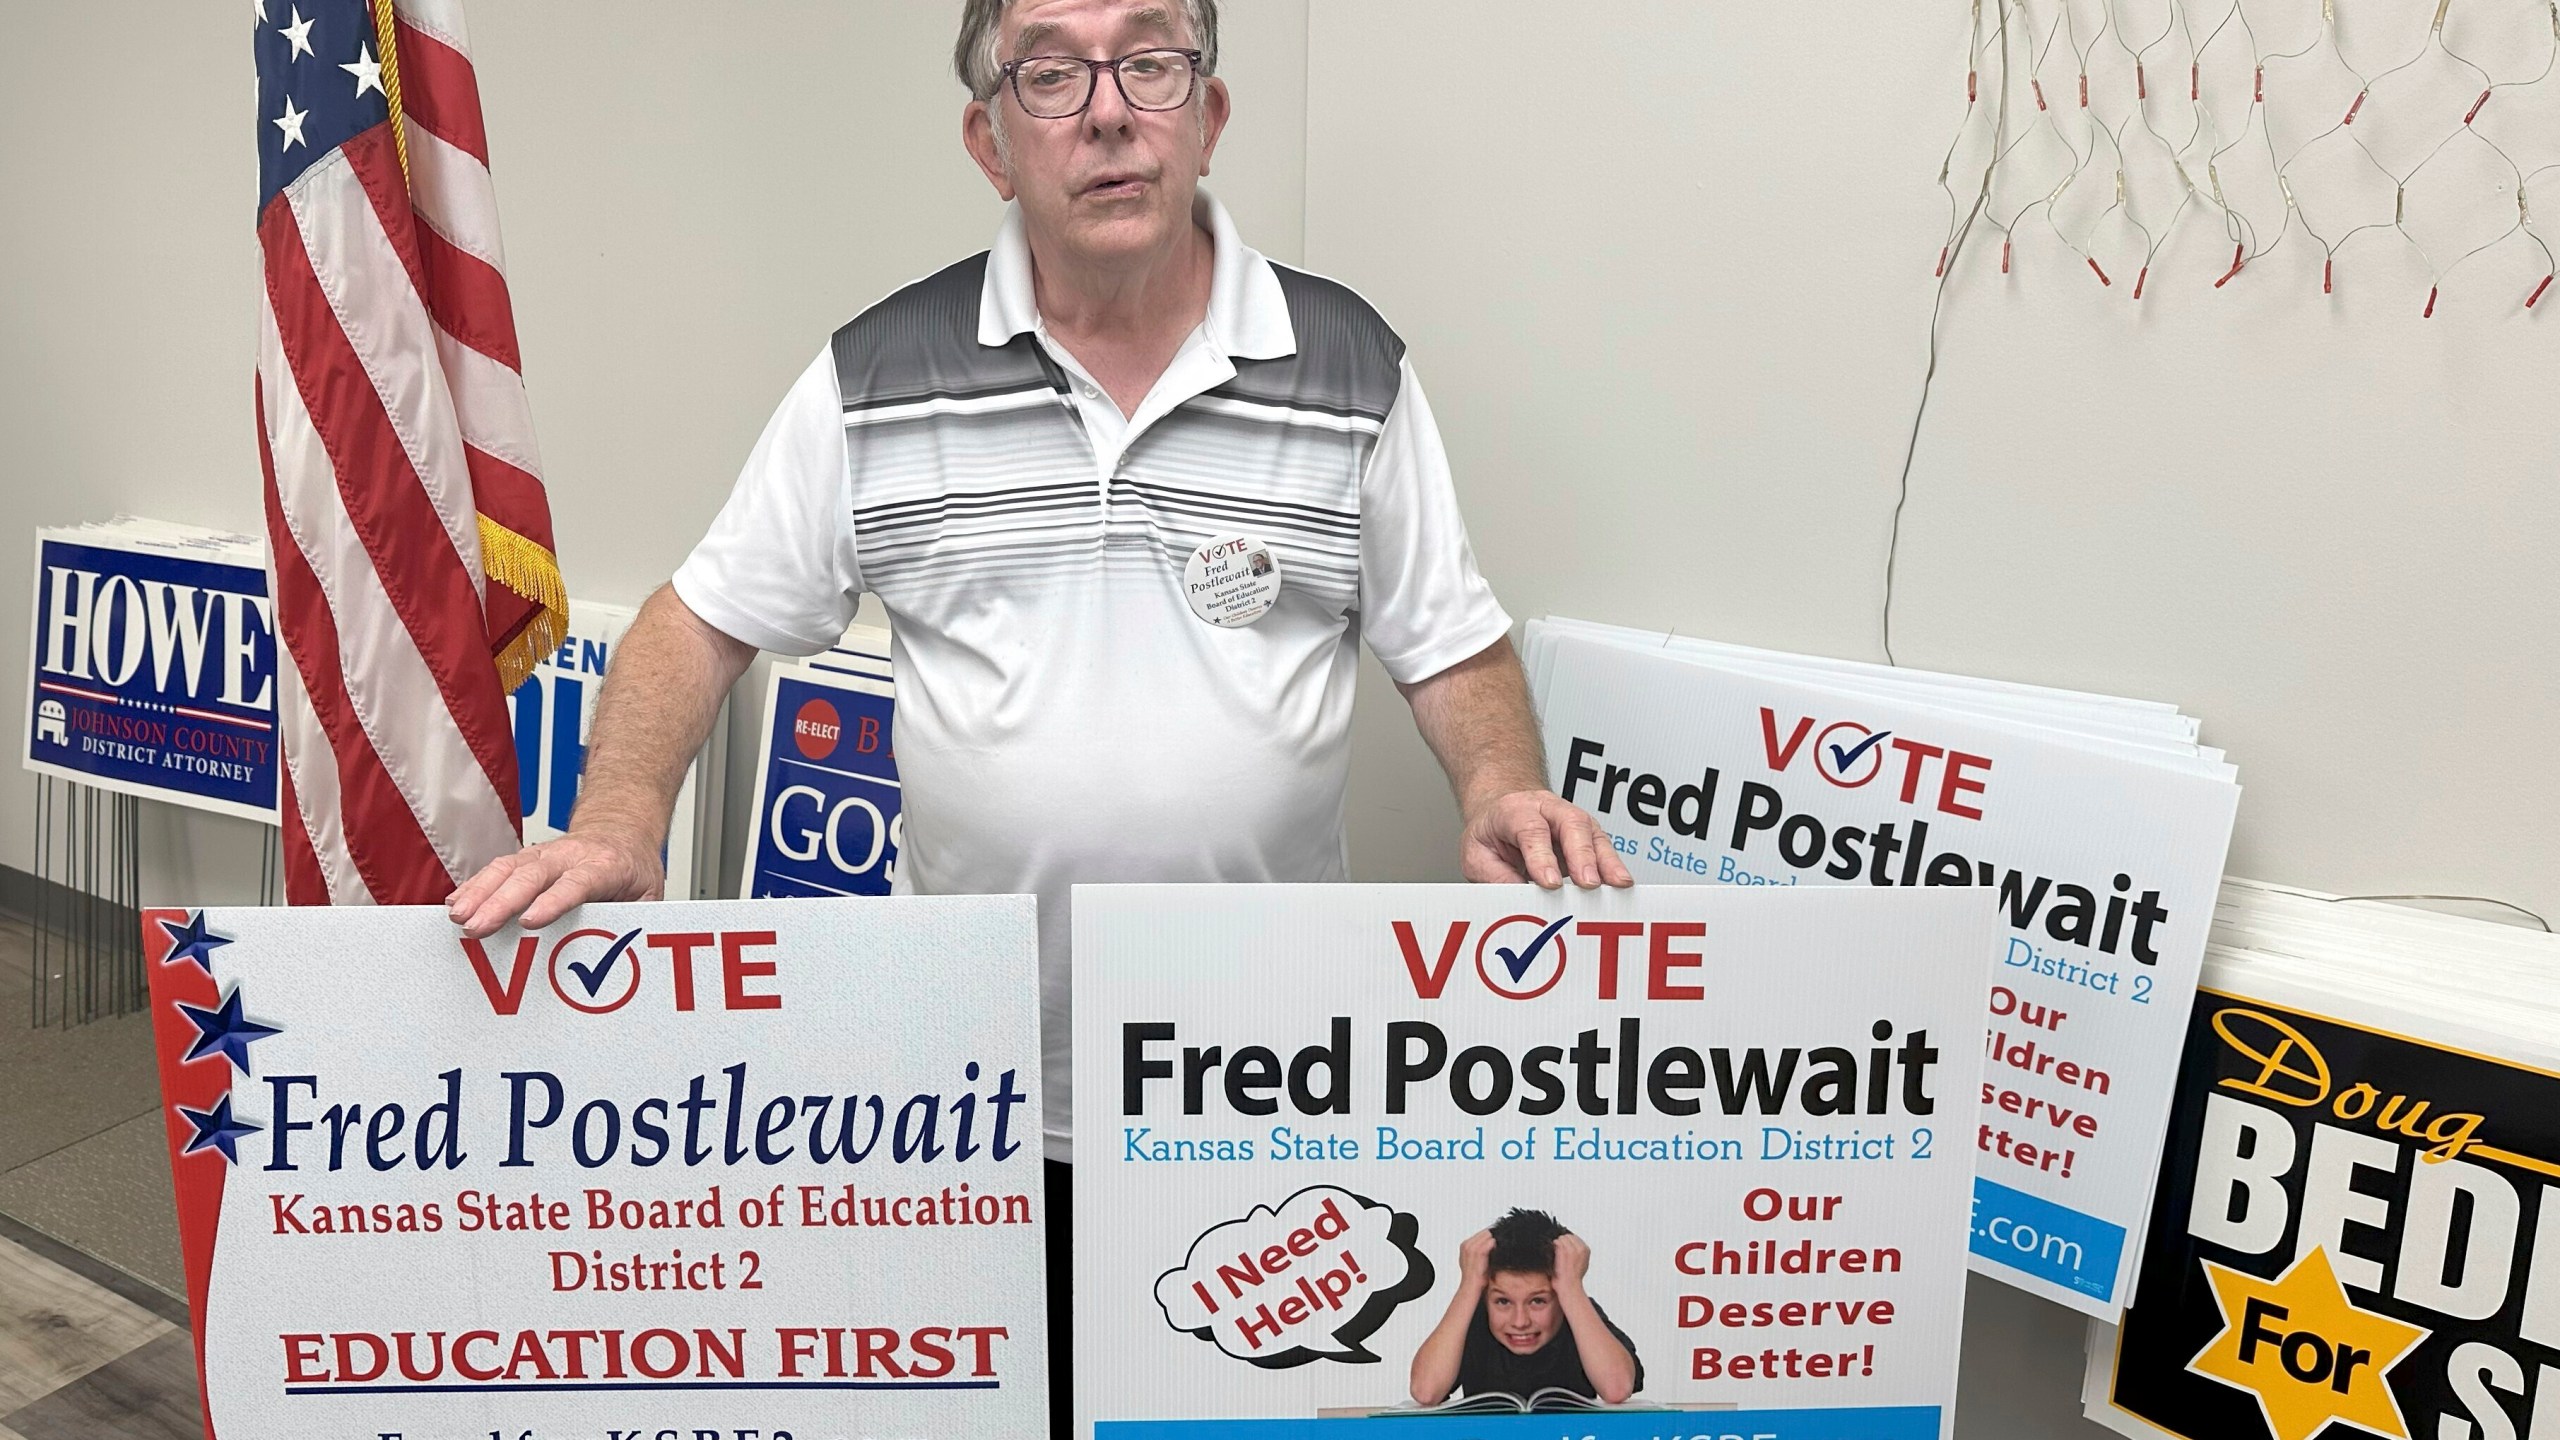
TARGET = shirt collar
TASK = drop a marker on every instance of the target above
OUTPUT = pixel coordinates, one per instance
(1248, 314)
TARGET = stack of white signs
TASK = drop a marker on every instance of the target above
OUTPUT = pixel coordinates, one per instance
(2097, 827)
(2358, 1216)
(827, 817)
(152, 665)
(554, 710)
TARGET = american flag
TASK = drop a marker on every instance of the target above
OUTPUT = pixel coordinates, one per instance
(408, 533)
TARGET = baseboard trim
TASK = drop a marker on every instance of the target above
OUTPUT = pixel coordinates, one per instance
(21, 892)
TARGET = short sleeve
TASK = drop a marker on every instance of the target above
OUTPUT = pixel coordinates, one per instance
(779, 569)
(1423, 607)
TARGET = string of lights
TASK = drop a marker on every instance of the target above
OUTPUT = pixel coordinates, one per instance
(2359, 123)
(2111, 126)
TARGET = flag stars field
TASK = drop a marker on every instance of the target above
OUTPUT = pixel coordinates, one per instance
(290, 122)
(366, 69)
(298, 34)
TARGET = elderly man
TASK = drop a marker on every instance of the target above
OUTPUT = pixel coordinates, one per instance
(1132, 496)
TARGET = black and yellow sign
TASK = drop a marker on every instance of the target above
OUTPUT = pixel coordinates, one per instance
(2356, 1233)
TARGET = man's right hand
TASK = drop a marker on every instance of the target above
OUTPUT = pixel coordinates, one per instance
(541, 883)
(1474, 1254)
(670, 670)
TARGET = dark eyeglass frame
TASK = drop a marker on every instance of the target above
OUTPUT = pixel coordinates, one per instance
(1009, 75)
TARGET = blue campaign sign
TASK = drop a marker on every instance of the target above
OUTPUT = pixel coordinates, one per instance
(827, 819)
(553, 712)
(2049, 1241)
(153, 673)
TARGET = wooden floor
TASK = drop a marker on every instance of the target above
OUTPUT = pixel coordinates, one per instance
(80, 1361)
(93, 1334)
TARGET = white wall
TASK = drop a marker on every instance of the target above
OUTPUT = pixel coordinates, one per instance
(128, 270)
(1670, 307)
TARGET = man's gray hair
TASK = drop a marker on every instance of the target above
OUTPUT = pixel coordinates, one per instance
(982, 24)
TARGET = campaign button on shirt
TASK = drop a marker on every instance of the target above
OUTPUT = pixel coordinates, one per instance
(1232, 582)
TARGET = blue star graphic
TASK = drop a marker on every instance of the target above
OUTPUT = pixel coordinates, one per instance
(225, 1031)
(192, 942)
(217, 1130)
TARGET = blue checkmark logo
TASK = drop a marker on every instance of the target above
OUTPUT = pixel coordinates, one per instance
(1518, 963)
(1841, 759)
(593, 972)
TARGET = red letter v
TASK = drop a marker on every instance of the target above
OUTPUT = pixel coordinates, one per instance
(505, 1000)
(1428, 983)
(1779, 756)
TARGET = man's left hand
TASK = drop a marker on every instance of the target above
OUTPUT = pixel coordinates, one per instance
(1531, 835)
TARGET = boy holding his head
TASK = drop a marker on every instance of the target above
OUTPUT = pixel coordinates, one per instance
(1520, 1322)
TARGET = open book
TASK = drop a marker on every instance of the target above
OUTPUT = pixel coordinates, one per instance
(1500, 1402)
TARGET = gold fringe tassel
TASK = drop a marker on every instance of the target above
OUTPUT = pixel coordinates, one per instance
(523, 566)
(386, 32)
(529, 649)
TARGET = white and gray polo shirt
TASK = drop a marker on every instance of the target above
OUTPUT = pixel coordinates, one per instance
(1063, 715)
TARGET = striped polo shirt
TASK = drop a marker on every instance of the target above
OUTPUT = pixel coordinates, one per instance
(1064, 717)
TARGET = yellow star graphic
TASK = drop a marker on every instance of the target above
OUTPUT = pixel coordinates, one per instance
(2305, 1351)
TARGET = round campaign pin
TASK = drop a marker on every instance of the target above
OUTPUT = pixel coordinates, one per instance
(1232, 582)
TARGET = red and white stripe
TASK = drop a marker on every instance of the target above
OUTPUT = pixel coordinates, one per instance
(391, 413)
(457, 210)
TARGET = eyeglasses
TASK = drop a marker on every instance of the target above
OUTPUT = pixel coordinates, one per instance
(1053, 87)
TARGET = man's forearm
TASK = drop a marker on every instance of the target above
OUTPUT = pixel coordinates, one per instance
(660, 697)
(669, 674)
(1475, 716)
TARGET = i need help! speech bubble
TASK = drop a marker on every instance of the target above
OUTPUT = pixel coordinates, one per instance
(1307, 1281)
